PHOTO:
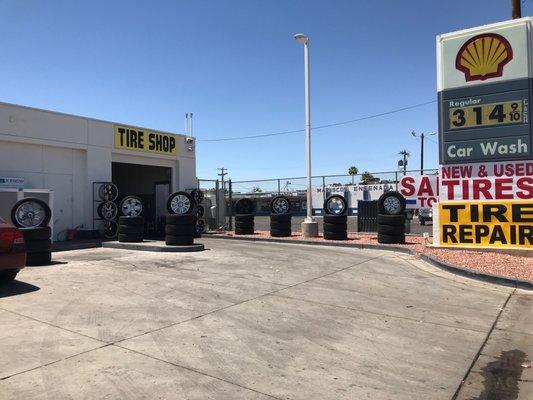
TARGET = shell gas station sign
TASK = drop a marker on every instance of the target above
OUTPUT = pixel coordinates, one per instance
(484, 81)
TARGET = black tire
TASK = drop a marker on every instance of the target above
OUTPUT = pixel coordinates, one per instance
(8, 275)
(280, 225)
(133, 212)
(422, 221)
(244, 206)
(35, 259)
(110, 213)
(244, 218)
(197, 195)
(38, 246)
(239, 224)
(108, 191)
(132, 221)
(397, 220)
(45, 207)
(338, 228)
(280, 218)
(179, 219)
(398, 196)
(244, 231)
(391, 229)
(280, 205)
(185, 207)
(335, 219)
(179, 230)
(179, 240)
(110, 229)
(391, 239)
(130, 229)
(280, 232)
(335, 236)
(199, 211)
(131, 237)
(36, 233)
(335, 198)
(199, 227)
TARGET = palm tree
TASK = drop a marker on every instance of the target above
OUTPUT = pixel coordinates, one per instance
(353, 171)
(405, 154)
(367, 177)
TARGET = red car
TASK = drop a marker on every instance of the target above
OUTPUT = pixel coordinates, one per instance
(12, 252)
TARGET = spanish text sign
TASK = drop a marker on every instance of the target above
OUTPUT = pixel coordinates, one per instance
(505, 224)
(143, 140)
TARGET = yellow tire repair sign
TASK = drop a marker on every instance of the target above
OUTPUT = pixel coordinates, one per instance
(144, 140)
(506, 224)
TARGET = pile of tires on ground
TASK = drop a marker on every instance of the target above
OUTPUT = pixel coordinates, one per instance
(131, 222)
(180, 222)
(335, 218)
(280, 217)
(32, 216)
(391, 218)
(244, 217)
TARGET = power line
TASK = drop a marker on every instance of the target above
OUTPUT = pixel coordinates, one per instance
(320, 126)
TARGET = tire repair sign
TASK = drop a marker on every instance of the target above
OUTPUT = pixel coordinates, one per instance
(504, 224)
(137, 139)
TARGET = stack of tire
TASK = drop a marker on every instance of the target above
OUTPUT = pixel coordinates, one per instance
(280, 217)
(391, 218)
(131, 222)
(335, 218)
(107, 210)
(199, 211)
(32, 216)
(244, 217)
(180, 222)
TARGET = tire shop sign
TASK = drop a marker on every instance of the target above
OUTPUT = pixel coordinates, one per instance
(484, 86)
(504, 224)
(143, 140)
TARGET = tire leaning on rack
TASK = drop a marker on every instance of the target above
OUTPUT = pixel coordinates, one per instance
(38, 245)
(179, 229)
(335, 227)
(244, 224)
(130, 229)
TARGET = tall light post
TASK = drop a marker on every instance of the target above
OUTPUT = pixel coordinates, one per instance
(309, 226)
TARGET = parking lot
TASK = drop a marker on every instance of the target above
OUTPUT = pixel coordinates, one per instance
(246, 320)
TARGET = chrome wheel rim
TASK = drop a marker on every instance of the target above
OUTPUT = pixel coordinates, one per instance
(110, 229)
(180, 204)
(109, 210)
(108, 192)
(200, 226)
(391, 204)
(131, 207)
(280, 206)
(30, 214)
(335, 206)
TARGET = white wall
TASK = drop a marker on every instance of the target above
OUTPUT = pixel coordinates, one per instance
(67, 153)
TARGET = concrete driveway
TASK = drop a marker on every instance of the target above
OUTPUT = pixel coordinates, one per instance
(247, 320)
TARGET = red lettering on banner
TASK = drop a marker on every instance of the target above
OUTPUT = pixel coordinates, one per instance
(481, 186)
(500, 186)
(450, 184)
(525, 186)
(425, 187)
(407, 186)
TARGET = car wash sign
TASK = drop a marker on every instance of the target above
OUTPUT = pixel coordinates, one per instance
(137, 139)
(484, 90)
(504, 224)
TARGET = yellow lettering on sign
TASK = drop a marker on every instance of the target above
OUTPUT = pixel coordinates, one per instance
(143, 140)
(506, 224)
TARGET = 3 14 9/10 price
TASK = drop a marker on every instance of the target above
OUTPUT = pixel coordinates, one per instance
(510, 112)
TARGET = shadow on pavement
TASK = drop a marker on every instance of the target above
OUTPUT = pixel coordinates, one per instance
(17, 287)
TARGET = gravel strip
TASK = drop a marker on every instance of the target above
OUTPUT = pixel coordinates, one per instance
(507, 265)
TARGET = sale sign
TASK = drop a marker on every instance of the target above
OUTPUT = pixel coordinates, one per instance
(487, 181)
(419, 191)
(505, 224)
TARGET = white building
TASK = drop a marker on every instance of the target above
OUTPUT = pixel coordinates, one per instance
(68, 153)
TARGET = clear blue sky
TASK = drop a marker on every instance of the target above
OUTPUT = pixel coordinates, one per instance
(235, 65)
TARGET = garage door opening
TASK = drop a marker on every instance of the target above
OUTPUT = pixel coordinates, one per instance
(152, 185)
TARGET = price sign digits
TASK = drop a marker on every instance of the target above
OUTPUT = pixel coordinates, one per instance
(510, 112)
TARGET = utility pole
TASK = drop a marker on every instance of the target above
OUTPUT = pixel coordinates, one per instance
(422, 136)
(516, 9)
(222, 174)
(404, 154)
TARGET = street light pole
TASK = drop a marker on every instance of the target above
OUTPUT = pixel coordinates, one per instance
(309, 226)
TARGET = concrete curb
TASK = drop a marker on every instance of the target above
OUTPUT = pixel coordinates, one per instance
(480, 276)
(153, 246)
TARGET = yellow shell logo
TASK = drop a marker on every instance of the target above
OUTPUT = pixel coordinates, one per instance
(484, 56)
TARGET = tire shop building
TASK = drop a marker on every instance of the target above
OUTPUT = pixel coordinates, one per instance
(63, 158)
